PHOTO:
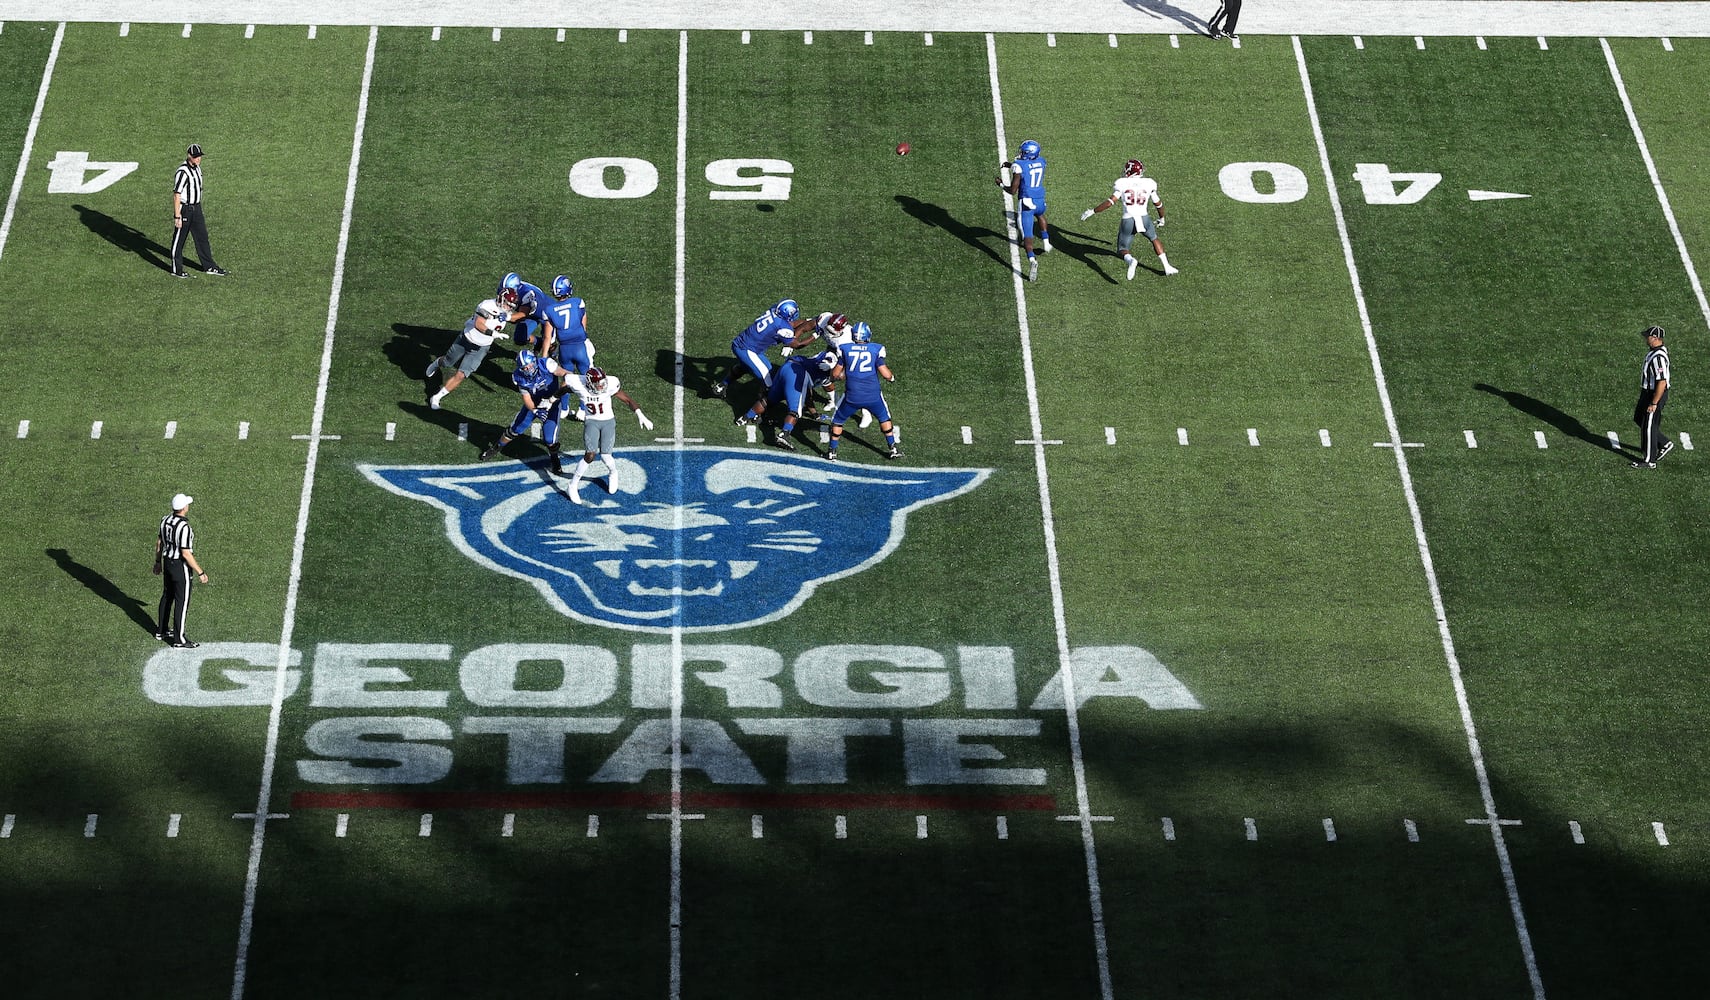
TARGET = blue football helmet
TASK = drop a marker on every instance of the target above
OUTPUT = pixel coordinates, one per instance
(513, 281)
(788, 309)
(1029, 150)
(561, 287)
(528, 363)
(862, 333)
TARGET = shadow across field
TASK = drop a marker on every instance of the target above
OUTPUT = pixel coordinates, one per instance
(125, 237)
(1164, 10)
(978, 237)
(1567, 423)
(105, 589)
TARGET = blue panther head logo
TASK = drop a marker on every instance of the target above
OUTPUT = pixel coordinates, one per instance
(701, 539)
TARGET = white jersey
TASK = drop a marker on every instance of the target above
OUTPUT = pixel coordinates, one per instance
(488, 310)
(1133, 193)
(598, 404)
(834, 336)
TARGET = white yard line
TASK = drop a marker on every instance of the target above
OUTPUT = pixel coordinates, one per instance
(30, 138)
(258, 835)
(1656, 182)
(1492, 817)
(676, 914)
(1071, 703)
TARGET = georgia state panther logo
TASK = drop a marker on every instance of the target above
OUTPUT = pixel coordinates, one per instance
(700, 539)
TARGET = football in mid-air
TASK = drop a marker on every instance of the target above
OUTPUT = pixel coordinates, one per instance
(902, 148)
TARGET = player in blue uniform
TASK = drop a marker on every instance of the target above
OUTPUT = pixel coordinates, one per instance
(781, 324)
(567, 315)
(1027, 183)
(540, 382)
(863, 366)
(792, 385)
(530, 319)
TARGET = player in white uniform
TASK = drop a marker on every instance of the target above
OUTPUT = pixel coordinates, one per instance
(470, 349)
(1133, 191)
(597, 390)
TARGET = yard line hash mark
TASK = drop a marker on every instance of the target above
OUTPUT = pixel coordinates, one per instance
(1050, 39)
(1324, 436)
(1077, 762)
(920, 828)
(967, 435)
(593, 826)
(1573, 828)
(1419, 42)
(124, 28)
(1252, 828)
(1412, 829)
(1329, 830)
(171, 429)
(1685, 440)
(426, 827)
(1614, 440)
(1543, 45)
(341, 825)
(311, 31)
(463, 432)
(172, 825)
(508, 826)
(1181, 436)
(1668, 46)
(622, 35)
(1472, 442)
(1474, 749)
(1481, 45)
(495, 34)
(93, 818)
(1253, 436)
(1113, 40)
(1359, 43)
(1538, 436)
(249, 31)
(436, 33)
(929, 38)
(186, 32)
(391, 430)
(867, 39)
(1110, 435)
(95, 431)
(756, 827)
(745, 38)
(1003, 827)
(807, 38)
(1656, 828)
(243, 430)
(23, 429)
(30, 137)
(264, 794)
(6, 826)
(840, 828)
(1169, 828)
(1175, 43)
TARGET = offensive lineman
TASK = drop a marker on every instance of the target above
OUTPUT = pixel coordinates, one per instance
(1133, 190)
(539, 381)
(781, 324)
(863, 366)
(470, 349)
(599, 433)
(793, 384)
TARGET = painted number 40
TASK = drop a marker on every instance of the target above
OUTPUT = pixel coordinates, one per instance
(1283, 183)
(733, 180)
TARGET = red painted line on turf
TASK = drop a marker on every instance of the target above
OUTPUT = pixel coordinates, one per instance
(657, 800)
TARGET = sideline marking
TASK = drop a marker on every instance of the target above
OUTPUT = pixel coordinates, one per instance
(756, 827)
(341, 825)
(1253, 436)
(1113, 39)
(186, 32)
(1003, 827)
(249, 31)
(1685, 440)
(442, 801)
(807, 38)
(323, 437)
(312, 31)
(1656, 828)
(1359, 43)
(1538, 436)
(1656, 182)
(1482, 47)
(243, 430)
(95, 430)
(920, 828)
(1419, 42)
(745, 36)
(929, 38)
(967, 435)
(6, 825)
(1329, 830)
(1474, 750)
(264, 795)
(841, 827)
(436, 33)
(593, 826)
(1542, 44)
(1110, 435)
(24, 430)
(1252, 828)
(426, 828)
(1668, 46)
(1071, 703)
(391, 430)
(1324, 436)
(867, 39)
(171, 429)
(1573, 828)
(90, 821)
(1181, 436)
(1169, 828)
(622, 35)
(1412, 831)
(30, 137)
(1472, 442)
(1614, 440)
(495, 34)
(1175, 43)
(508, 826)
(1050, 39)
(172, 825)
(124, 28)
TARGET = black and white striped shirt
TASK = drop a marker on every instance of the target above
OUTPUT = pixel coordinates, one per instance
(187, 183)
(1656, 368)
(176, 537)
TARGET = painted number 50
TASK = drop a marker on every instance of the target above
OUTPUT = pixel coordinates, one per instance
(630, 177)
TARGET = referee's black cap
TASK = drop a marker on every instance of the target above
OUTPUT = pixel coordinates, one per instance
(194, 150)
(1653, 331)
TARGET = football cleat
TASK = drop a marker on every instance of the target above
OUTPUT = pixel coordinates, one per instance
(1644, 465)
(1133, 265)
(862, 334)
(788, 309)
(1033, 269)
(432, 368)
(743, 421)
(562, 288)
(557, 466)
(784, 442)
(894, 453)
(596, 378)
(1029, 150)
(719, 389)
(1667, 447)
(1133, 168)
(489, 451)
(831, 456)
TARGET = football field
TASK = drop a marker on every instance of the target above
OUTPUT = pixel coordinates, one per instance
(1294, 625)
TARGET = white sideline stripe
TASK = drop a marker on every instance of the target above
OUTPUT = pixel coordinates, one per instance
(391, 430)
(6, 826)
(756, 827)
(508, 826)
(426, 828)
(124, 28)
(1656, 182)
(1481, 45)
(1412, 831)
(1668, 46)
(1472, 442)
(264, 794)
(243, 430)
(1252, 828)
(1573, 828)
(1077, 763)
(436, 33)
(1169, 828)
(186, 32)
(1499, 844)
(1359, 43)
(311, 31)
(342, 825)
(675, 916)
(593, 826)
(1329, 830)
(1542, 44)
(93, 818)
(1253, 436)
(1003, 827)
(1419, 42)
(1685, 440)
(30, 137)
(840, 828)
(1538, 436)
(1656, 828)
(1050, 39)
(172, 825)
(249, 31)
(495, 34)
(1181, 436)
(1614, 440)
(920, 828)
(95, 430)
(23, 429)
(1324, 436)
(967, 435)
(1110, 435)
(171, 429)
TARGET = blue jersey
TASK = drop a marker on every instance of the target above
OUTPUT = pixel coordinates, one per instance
(770, 330)
(861, 370)
(567, 316)
(1032, 175)
(541, 385)
(531, 301)
(797, 377)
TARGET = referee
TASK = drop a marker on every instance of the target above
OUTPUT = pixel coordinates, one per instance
(1653, 396)
(174, 563)
(187, 214)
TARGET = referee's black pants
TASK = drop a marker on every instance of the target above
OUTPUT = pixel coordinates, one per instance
(197, 226)
(1651, 437)
(1228, 12)
(176, 581)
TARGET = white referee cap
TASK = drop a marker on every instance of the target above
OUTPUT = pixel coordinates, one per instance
(181, 500)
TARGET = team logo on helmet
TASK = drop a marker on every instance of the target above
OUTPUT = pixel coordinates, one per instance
(1029, 150)
(745, 540)
(513, 281)
(561, 287)
(788, 309)
(862, 333)
(528, 364)
(1133, 168)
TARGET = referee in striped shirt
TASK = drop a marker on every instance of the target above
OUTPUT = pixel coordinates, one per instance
(1653, 396)
(174, 563)
(187, 214)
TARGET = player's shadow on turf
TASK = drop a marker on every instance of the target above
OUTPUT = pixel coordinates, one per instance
(104, 588)
(935, 216)
(1538, 409)
(125, 237)
(1163, 9)
(480, 432)
(1081, 247)
(412, 347)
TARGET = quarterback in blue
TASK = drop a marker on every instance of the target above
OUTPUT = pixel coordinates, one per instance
(863, 366)
(530, 318)
(540, 381)
(567, 316)
(1027, 184)
(793, 385)
(780, 325)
